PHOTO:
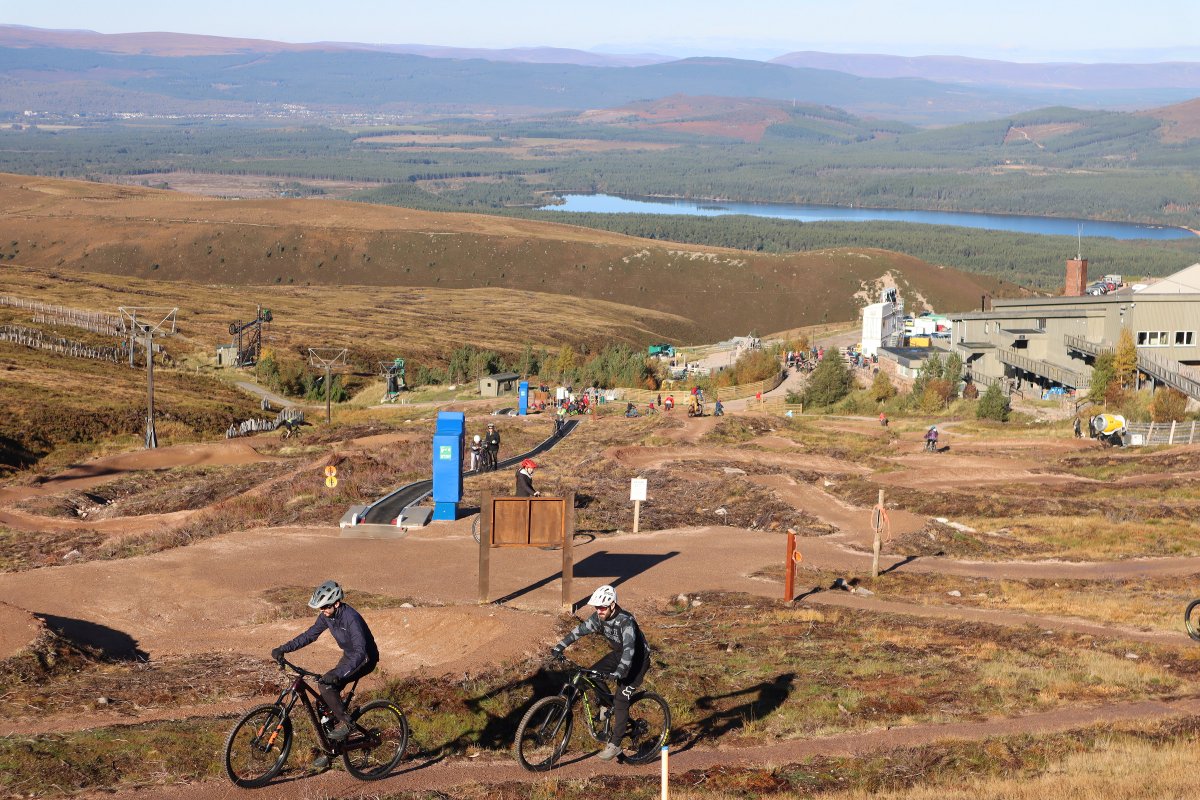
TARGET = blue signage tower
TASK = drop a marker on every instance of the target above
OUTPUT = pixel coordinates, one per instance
(447, 464)
(523, 398)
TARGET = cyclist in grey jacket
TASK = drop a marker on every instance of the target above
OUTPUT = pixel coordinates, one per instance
(626, 663)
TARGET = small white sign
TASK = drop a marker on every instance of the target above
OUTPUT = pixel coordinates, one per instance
(445, 453)
(637, 489)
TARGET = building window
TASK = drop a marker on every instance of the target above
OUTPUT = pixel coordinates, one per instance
(1153, 339)
(1184, 337)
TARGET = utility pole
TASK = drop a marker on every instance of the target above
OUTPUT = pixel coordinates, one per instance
(155, 321)
(327, 358)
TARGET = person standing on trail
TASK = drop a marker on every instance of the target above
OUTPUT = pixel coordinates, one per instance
(360, 656)
(525, 479)
(670, 402)
(492, 442)
(476, 453)
(626, 663)
(718, 409)
(883, 420)
(1078, 428)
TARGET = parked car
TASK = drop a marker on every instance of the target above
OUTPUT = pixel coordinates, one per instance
(1097, 288)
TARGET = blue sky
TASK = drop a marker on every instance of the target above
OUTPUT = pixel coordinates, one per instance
(1017, 30)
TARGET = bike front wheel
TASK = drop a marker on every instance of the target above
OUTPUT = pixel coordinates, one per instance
(649, 728)
(372, 754)
(1191, 619)
(543, 734)
(258, 746)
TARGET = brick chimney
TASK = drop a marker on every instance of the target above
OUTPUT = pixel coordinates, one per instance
(1076, 277)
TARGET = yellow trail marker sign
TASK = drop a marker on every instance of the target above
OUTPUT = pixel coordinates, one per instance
(331, 481)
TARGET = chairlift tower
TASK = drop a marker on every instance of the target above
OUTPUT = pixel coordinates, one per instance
(327, 358)
(148, 322)
(247, 337)
(393, 375)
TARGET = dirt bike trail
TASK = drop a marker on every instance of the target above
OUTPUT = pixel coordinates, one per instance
(101, 470)
(443, 775)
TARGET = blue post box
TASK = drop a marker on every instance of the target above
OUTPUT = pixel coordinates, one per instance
(447, 463)
(523, 398)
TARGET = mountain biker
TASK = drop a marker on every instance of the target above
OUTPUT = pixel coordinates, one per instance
(359, 653)
(476, 453)
(626, 663)
(525, 479)
(492, 442)
(931, 438)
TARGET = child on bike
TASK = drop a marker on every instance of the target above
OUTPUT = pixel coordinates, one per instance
(359, 653)
(626, 663)
(477, 453)
(525, 479)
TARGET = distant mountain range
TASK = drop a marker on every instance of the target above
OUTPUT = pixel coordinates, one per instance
(83, 72)
(977, 71)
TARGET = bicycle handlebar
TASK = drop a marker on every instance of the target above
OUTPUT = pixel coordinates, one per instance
(581, 668)
(285, 664)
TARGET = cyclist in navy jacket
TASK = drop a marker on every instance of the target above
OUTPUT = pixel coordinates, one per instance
(359, 653)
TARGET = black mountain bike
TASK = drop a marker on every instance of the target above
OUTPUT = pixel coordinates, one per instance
(545, 730)
(259, 744)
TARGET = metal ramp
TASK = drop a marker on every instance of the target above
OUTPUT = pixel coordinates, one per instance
(391, 515)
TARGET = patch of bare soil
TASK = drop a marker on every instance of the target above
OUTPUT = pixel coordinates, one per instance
(142, 493)
(18, 630)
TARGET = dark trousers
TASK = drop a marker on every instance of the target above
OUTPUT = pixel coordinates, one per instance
(332, 695)
(624, 690)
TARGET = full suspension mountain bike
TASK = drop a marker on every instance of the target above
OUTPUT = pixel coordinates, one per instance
(545, 730)
(259, 744)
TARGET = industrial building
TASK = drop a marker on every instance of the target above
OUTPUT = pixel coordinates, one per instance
(1054, 341)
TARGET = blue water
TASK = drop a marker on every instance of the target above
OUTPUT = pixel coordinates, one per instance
(1057, 226)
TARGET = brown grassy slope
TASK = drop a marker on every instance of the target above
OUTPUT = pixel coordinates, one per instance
(1181, 122)
(374, 322)
(735, 117)
(146, 233)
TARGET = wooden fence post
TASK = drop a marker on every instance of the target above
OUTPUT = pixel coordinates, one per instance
(485, 544)
(568, 552)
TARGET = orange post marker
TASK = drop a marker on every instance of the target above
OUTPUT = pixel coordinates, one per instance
(789, 583)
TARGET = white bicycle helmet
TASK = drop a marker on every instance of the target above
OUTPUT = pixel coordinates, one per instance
(477, 439)
(603, 597)
(326, 594)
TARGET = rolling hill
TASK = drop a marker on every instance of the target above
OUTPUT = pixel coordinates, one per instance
(681, 292)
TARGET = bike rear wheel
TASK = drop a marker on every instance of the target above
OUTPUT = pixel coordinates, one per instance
(258, 746)
(543, 734)
(1191, 619)
(372, 755)
(649, 728)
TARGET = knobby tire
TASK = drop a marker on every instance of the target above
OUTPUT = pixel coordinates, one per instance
(373, 755)
(258, 746)
(543, 734)
(1192, 620)
(649, 728)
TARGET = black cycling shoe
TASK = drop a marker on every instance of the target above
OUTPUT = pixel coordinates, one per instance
(339, 733)
(320, 763)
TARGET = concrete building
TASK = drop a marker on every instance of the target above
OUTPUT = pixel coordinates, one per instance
(883, 322)
(1054, 341)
